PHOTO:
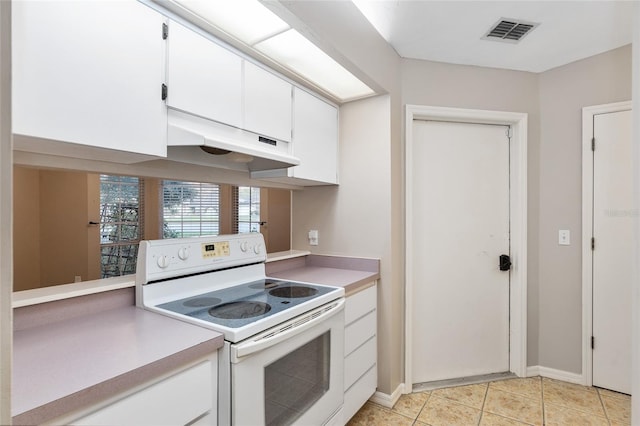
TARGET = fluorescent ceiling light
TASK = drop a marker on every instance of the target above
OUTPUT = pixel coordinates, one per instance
(255, 25)
(298, 54)
(247, 20)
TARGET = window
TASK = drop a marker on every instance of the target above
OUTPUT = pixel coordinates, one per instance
(120, 224)
(247, 211)
(190, 209)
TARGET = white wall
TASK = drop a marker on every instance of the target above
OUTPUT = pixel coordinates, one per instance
(355, 218)
(564, 91)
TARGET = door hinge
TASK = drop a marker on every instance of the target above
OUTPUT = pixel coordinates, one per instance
(509, 132)
(165, 92)
(593, 144)
(165, 31)
(593, 243)
(593, 342)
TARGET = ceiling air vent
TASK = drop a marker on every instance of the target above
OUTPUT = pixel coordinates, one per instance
(509, 30)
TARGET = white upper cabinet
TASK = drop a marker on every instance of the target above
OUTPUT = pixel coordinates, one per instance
(315, 143)
(204, 78)
(88, 74)
(315, 139)
(267, 103)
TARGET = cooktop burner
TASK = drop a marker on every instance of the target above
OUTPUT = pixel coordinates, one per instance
(237, 306)
(293, 291)
(235, 310)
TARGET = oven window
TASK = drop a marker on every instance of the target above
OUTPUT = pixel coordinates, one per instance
(296, 381)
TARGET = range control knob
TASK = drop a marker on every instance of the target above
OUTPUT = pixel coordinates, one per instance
(163, 261)
(257, 248)
(243, 246)
(183, 253)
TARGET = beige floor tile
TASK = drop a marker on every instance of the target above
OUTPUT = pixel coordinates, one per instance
(617, 408)
(556, 415)
(489, 419)
(516, 407)
(612, 394)
(470, 395)
(374, 415)
(572, 396)
(443, 412)
(619, 423)
(410, 405)
(530, 387)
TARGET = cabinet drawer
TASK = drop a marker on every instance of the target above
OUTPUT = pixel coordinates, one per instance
(359, 332)
(359, 393)
(178, 399)
(359, 304)
(359, 361)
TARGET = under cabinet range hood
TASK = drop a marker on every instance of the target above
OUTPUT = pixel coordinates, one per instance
(196, 140)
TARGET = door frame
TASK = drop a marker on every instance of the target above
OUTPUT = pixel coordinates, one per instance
(588, 114)
(518, 224)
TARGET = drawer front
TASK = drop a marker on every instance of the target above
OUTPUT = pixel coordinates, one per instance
(359, 304)
(178, 399)
(359, 393)
(359, 332)
(359, 361)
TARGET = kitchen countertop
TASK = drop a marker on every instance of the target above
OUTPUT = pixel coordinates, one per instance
(74, 353)
(73, 363)
(354, 274)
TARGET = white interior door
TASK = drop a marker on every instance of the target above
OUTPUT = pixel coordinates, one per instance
(460, 228)
(613, 227)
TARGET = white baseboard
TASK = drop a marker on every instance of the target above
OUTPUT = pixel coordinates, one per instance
(387, 400)
(552, 373)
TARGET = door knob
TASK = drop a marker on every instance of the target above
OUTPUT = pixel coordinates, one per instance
(505, 262)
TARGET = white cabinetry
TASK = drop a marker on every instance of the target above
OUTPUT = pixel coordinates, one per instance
(360, 350)
(267, 103)
(88, 74)
(181, 398)
(315, 143)
(204, 78)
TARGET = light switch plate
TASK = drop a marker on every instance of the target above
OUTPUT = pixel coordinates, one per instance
(313, 237)
(564, 237)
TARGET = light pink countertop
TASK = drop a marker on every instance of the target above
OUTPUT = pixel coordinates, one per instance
(354, 274)
(80, 360)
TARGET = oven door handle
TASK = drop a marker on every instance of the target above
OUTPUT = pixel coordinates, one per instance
(287, 330)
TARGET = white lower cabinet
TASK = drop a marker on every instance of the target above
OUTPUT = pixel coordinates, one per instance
(188, 396)
(360, 350)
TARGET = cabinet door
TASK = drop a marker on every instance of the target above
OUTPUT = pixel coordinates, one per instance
(315, 138)
(203, 78)
(89, 73)
(267, 103)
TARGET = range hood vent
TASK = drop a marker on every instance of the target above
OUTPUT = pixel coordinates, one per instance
(195, 140)
(509, 30)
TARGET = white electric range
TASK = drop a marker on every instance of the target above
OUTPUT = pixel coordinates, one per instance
(282, 359)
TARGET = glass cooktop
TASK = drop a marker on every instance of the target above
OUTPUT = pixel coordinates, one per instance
(243, 304)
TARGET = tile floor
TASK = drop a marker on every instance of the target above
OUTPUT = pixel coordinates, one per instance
(528, 401)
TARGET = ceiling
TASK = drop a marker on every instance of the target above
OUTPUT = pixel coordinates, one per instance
(452, 31)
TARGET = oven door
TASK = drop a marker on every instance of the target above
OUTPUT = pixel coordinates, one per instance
(292, 374)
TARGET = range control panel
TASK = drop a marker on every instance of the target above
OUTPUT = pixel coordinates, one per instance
(171, 258)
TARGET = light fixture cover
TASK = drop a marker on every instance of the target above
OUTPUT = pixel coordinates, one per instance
(295, 52)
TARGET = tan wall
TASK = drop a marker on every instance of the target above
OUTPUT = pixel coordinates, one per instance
(564, 91)
(64, 229)
(26, 225)
(275, 210)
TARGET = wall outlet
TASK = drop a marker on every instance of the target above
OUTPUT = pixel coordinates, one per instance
(77, 278)
(564, 237)
(313, 237)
